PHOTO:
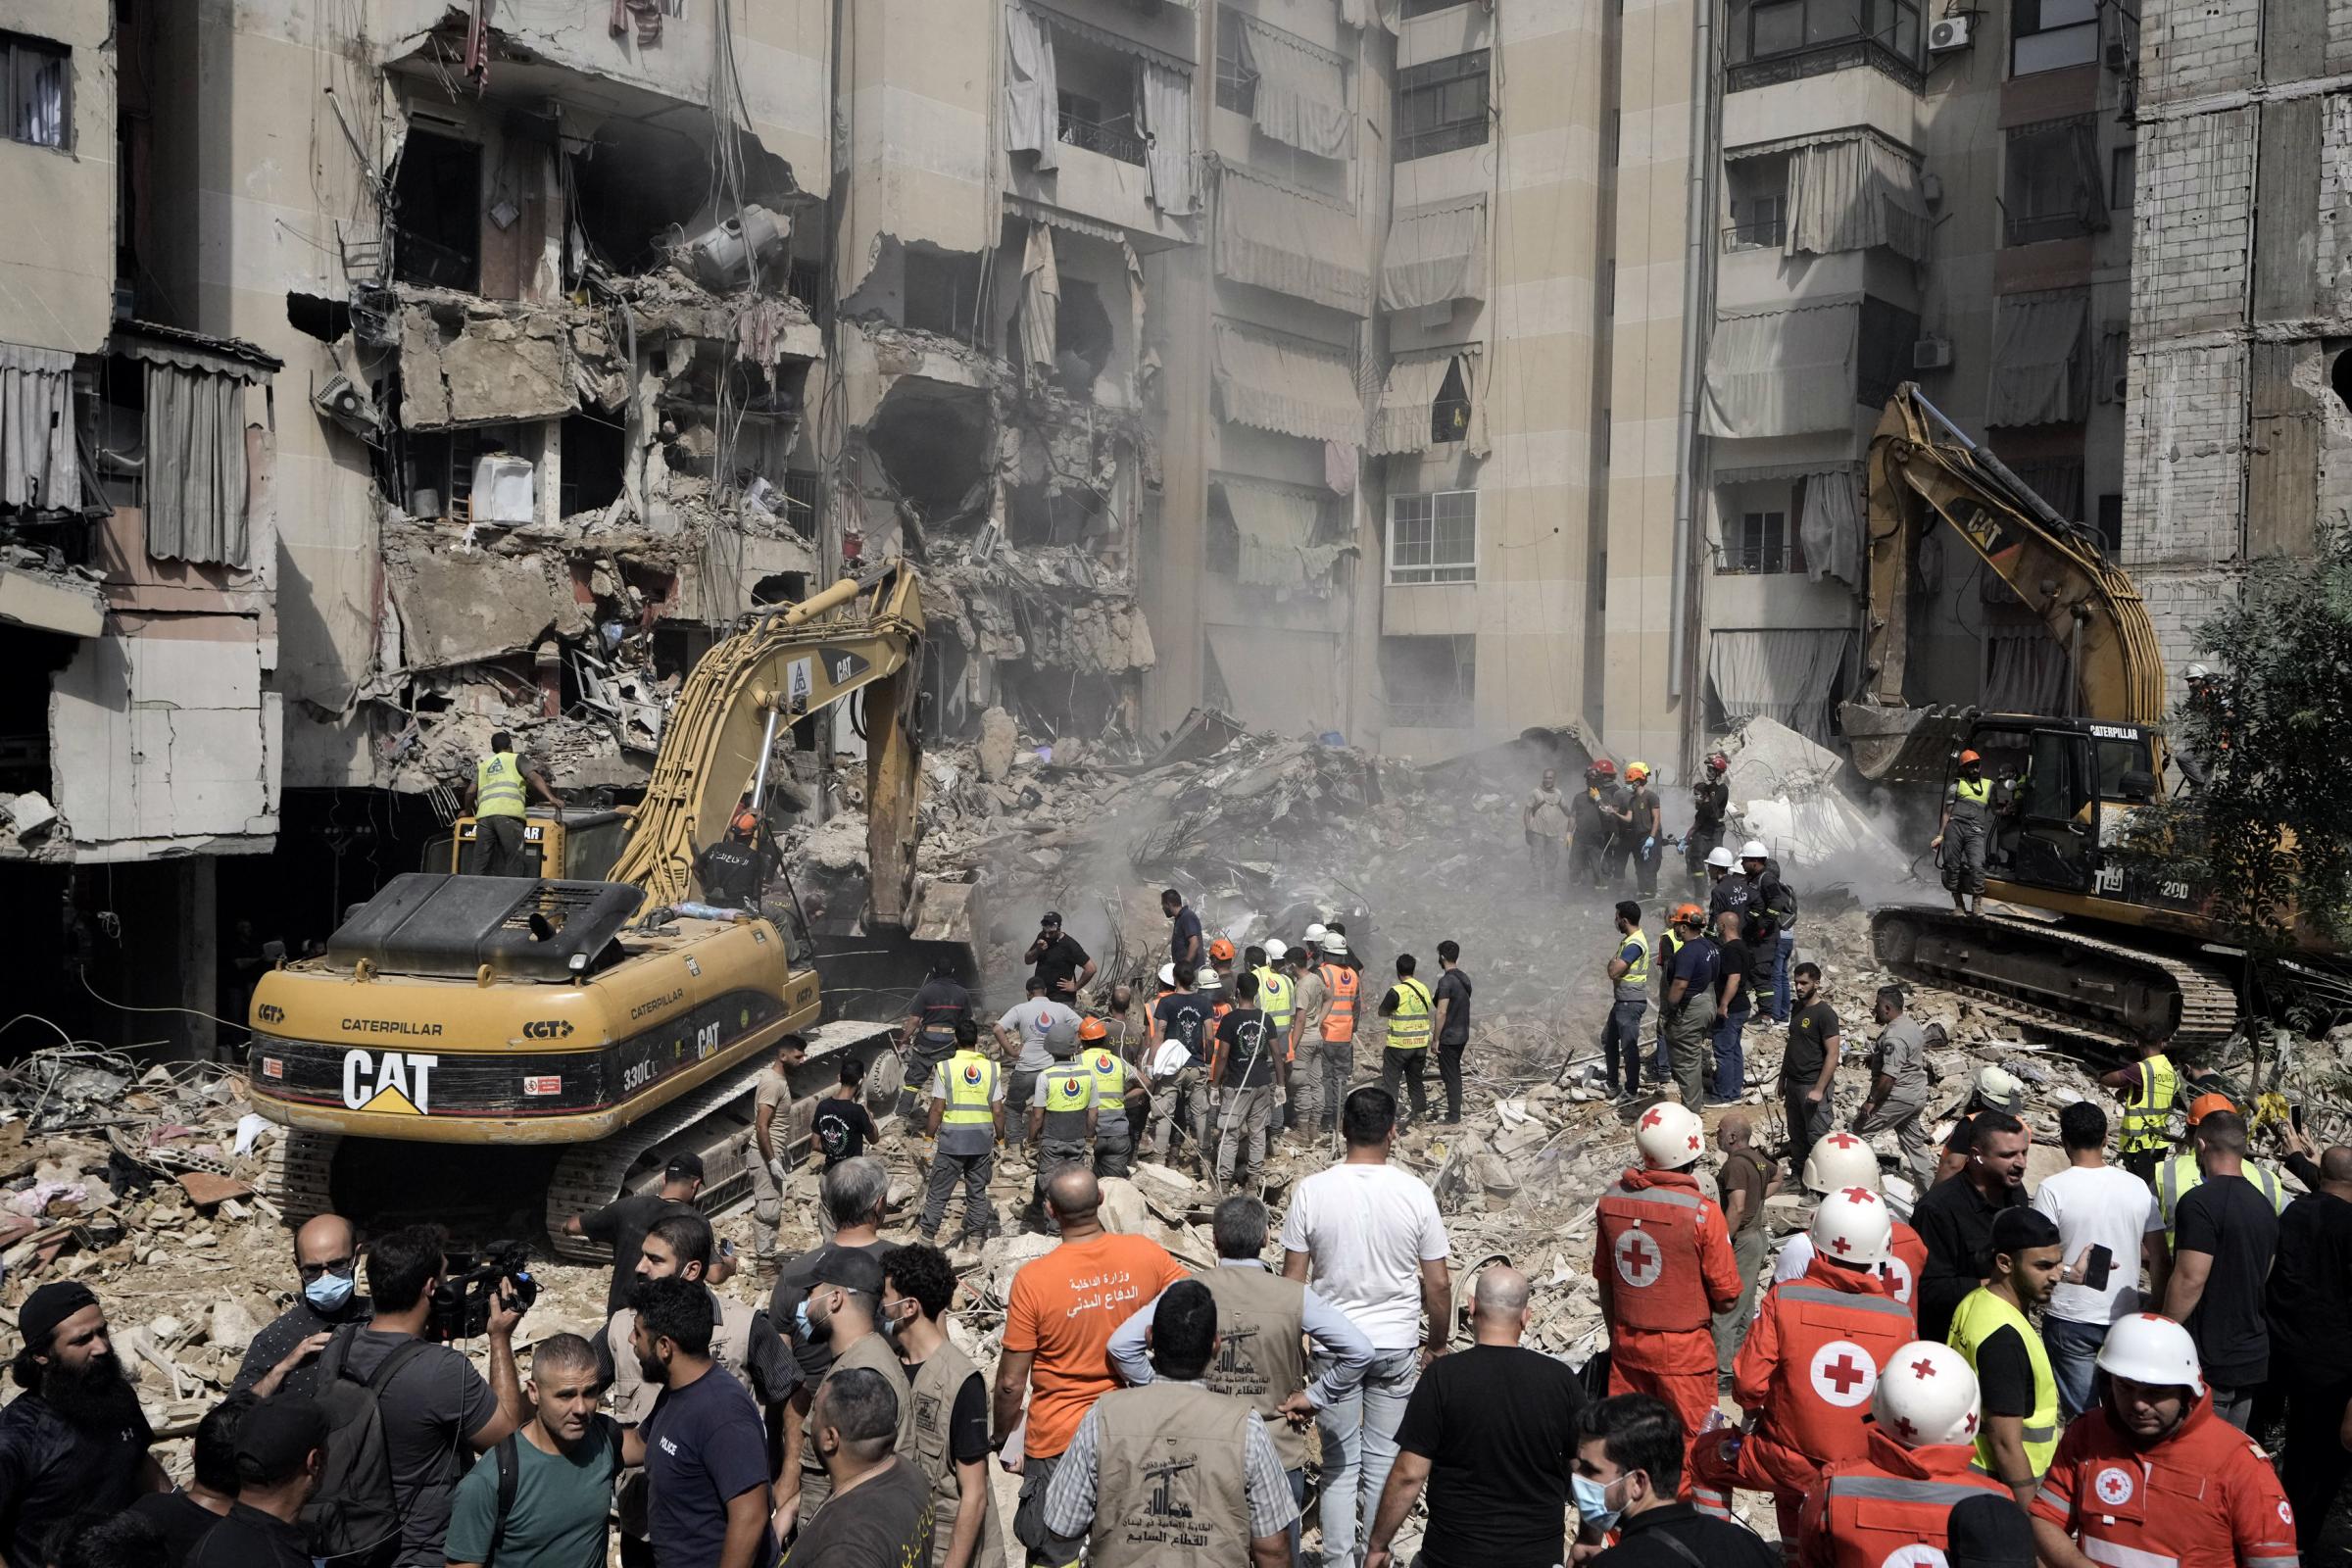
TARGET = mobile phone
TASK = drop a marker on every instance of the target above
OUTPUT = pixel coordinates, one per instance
(726, 1248)
(2095, 1271)
(2294, 1117)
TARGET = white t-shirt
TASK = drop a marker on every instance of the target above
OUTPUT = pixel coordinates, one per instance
(1367, 1230)
(1030, 1023)
(2099, 1206)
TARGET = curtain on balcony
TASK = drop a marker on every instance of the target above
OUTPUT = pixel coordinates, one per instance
(1164, 111)
(1286, 385)
(1788, 675)
(2037, 360)
(1371, 13)
(39, 466)
(1852, 193)
(1276, 526)
(1435, 254)
(1782, 372)
(1032, 94)
(1301, 98)
(1831, 526)
(196, 466)
(1402, 421)
(1041, 301)
(2025, 670)
(1291, 243)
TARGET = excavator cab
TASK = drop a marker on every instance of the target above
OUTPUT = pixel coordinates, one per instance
(575, 844)
(2065, 792)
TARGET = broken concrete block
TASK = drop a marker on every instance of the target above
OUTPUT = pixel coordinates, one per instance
(28, 812)
(481, 369)
(999, 737)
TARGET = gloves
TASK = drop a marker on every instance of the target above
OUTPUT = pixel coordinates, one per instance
(775, 1168)
(1650, 844)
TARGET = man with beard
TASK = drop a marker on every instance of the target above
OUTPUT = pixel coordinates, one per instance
(75, 1440)
(281, 1453)
(701, 1443)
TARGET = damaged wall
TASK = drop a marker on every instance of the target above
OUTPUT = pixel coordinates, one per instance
(60, 269)
(919, 78)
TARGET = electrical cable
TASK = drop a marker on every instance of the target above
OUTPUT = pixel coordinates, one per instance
(193, 1012)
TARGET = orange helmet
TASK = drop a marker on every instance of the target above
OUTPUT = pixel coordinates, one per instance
(1690, 913)
(1604, 767)
(1220, 951)
(1967, 757)
(2205, 1106)
(1091, 1029)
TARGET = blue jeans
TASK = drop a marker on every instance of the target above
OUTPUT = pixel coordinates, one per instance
(2073, 1349)
(1621, 1037)
(1359, 1447)
(1784, 956)
(1730, 1057)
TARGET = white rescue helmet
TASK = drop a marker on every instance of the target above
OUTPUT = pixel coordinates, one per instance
(1998, 1088)
(1927, 1396)
(2199, 672)
(2147, 1347)
(1167, 975)
(1207, 980)
(1840, 1159)
(1670, 1136)
(1852, 1226)
(1720, 857)
(1277, 949)
(1316, 933)
(1753, 849)
(1333, 942)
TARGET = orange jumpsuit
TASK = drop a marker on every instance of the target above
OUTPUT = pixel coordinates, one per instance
(1862, 1513)
(1663, 1258)
(2204, 1495)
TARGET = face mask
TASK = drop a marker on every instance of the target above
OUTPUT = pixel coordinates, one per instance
(811, 1332)
(328, 1293)
(891, 1327)
(1593, 1501)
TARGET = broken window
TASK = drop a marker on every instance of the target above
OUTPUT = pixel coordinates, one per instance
(1094, 98)
(37, 91)
(633, 188)
(1237, 83)
(2052, 35)
(1450, 412)
(438, 468)
(1758, 189)
(2111, 524)
(437, 191)
(1040, 515)
(1082, 337)
(1431, 682)
(942, 293)
(1433, 537)
(1441, 106)
(1883, 350)
(783, 588)
(2051, 187)
(594, 451)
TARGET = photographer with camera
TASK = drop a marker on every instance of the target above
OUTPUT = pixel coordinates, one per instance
(434, 1408)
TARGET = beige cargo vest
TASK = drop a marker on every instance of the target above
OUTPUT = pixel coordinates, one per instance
(1261, 1348)
(631, 1398)
(874, 1353)
(1171, 1488)
(936, 1384)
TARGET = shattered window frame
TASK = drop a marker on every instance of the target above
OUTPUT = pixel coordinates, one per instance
(1237, 83)
(1433, 537)
(2049, 187)
(37, 68)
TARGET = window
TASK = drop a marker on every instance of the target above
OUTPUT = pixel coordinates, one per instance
(2111, 524)
(1441, 106)
(1758, 189)
(37, 91)
(942, 293)
(1758, 544)
(1431, 682)
(2123, 175)
(1433, 537)
(1882, 357)
(1428, 8)
(1449, 411)
(2051, 184)
(439, 191)
(1771, 28)
(1237, 83)
(2052, 35)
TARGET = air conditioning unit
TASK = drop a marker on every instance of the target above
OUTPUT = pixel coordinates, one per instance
(1948, 35)
(1931, 354)
(348, 406)
(2119, 55)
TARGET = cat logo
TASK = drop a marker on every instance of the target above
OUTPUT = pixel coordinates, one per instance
(398, 1083)
(270, 1012)
(547, 1029)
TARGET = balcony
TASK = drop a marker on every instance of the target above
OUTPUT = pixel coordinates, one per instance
(1784, 40)
(1115, 140)
(1765, 234)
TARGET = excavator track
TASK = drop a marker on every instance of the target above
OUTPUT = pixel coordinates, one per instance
(2082, 988)
(297, 1174)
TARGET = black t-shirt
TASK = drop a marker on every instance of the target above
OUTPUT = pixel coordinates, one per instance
(2311, 1286)
(967, 1423)
(2005, 1374)
(430, 1408)
(51, 1470)
(1716, 1542)
(705, 1445)
(882, 1522)
(792, 1289)
(2228, 1218)
(1708, 802)
(288, 1329)
(622, 1225)
(1248, 1039)
(251, 1538)
(178, 1518)
(936, 1008)
(842, 1128)
(1809, 1035)
(1184, 928)
(1736, 958)
(1181, 1014)
(1061, 961)
(1497, 1424)
(1453, 988)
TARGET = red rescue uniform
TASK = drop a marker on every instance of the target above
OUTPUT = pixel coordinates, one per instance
(1906, 1260)
(1807, 1371)
(1663, 1258)
(1862, 1513)
(2205, 1494)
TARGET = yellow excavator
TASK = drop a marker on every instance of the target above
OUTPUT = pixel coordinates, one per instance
(2128, 949)
(578, 1033)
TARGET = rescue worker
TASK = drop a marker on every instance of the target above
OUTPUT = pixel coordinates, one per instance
(2209, 710)
(495, 798)
(1167, 981)
(2153, 1476)
(1114, 1085)
(744, 827)
(2182, 1173)
(1732, 888)
(1968, 822)
(1628, 974)
(1277, 992)
(1662, 1257)
(1406, 1005)
(1899, 1083)
(1617, 822)
(1670, 943)
(1588, 828)
(1769, 927)
(1647, 817)
(1062, 1118)
(2004, 1347)
(1544, 823)
(1220, 952)
(1179, 1058)
(2148, 1089)
(1811, 1362)
(928, 1031)
(1343, 985)
(1836, 1162)
(1710, 804)
(1246, 1067)
(1690, 1005)
(1304, 1049)
(1893, 1501)
(966, 1123)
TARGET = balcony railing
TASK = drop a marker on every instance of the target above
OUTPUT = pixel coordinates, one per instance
(2030, 228)
(1757, 234)
(1110, 141)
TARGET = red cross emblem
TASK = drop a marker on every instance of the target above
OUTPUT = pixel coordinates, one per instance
(1902, 1424)
(1860, 1195)
(1655, 1116)
(1967, 1428)
(2114, 1486)
(1840, 1245)
(1843, 1374)
(1922, 1368)
(1639, 1260)
(1694, 1143)
(1843, 1141)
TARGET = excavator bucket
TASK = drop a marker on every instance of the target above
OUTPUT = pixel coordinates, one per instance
(1904, 745)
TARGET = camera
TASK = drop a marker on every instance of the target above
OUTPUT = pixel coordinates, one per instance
(470, 1284)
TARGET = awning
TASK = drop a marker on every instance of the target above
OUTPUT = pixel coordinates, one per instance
(1831, 526)
(1435, 254)
(1291, 243)
(1277, 525)
(1302, 94)
(39, 462)
(2037, 360)
(1031, 211)
(1786, 675)
(1852, 193)
(1285, 384)
(1782, 372)
(192, 351)
(1032, 97)
(1109, 37)
(1401, 423)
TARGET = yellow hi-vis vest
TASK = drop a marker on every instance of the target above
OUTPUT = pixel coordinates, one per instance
(1276, 996)
(2179, 1176)
(1635, 982)
(1979, 1316)
(1408, 1025)
(971, 1089)
(497, 786)
(2146, 1117)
